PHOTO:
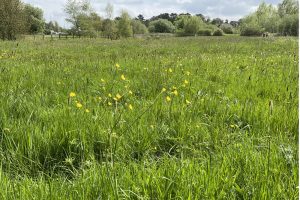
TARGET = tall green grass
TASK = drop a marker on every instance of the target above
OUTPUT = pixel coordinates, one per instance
(225, 128)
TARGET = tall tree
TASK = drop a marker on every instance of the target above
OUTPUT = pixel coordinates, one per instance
(217, 21)
(288, 7)
(75, 10)
(138, 27)
(11, 22)
(34, 19)
(109, 10)
(124, 25)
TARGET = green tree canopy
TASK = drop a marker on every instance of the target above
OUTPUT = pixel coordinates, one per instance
(34, 19)
(11, 22)
(124, 25)
(161, 26)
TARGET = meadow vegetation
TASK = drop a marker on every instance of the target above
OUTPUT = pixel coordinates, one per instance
(165, 118)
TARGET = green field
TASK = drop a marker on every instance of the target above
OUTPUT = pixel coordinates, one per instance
(165, 118)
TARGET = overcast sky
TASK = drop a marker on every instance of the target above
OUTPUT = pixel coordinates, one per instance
(225, 9)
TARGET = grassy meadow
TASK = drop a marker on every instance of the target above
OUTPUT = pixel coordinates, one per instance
(164, 118)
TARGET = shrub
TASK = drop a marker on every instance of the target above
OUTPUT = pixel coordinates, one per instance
(227, 28)
(138, 27)
(161, 26)
(205, 32)
(218, 32)
(192, 25)
(251, 30)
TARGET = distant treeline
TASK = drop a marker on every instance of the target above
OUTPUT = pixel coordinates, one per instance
(19, 18)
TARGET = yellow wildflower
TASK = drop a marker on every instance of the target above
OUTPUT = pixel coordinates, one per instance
(78, 105)
(164, 89)
(123, 77)
(130, 107)
(186, 82)
(109, 103)
(87, 110)
(175, 92)
(72, 94)
(170, 70)
(117, 66)
(168, 99)
(109, 95)
(102, 80)
(118, 96)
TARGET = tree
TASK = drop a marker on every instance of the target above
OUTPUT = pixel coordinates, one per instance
(173, 17)
(76, 10)
(52, 26)
(138, 27)
(234, 24)
(109, 11)
(217, 21)
(289, 19)
(34, 22)
(140, 18)
(110, 29)
(11, 22)
(227, 28)
(96, 21)
(201, 16)
(161, 26)
(269, 18)
(124, 25)
(288, 7)
(189, 25)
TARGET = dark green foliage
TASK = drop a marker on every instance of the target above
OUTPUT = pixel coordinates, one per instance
(251, 30)
(124, 25)
(34, 19)
(138, 27)
(227, 28)
(11, 19)
(161, 26)
(204, 32)
(218, 32)
(289, 25)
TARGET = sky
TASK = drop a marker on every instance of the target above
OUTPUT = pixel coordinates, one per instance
(225, 9)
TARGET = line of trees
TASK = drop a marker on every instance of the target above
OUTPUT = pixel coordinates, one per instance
(19, 18)
(282, 20)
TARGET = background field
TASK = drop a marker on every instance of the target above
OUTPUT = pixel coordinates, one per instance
(225, 128)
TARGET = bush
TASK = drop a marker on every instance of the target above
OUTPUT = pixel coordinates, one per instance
(205, 32)
(218, 32)
(251, 30)
(227, 28)
(138, 27)
(161, 26)
(192, 25)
